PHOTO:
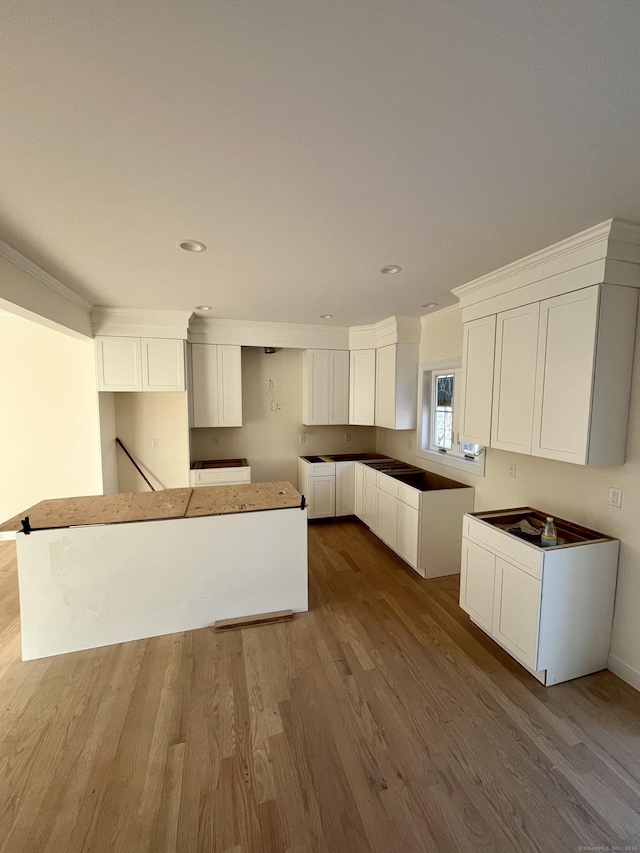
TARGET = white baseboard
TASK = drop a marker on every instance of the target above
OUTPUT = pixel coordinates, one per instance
(624, 670)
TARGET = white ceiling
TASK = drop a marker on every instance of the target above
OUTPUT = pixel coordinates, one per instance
(308, 143)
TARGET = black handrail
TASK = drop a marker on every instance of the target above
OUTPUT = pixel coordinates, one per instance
(135, 464)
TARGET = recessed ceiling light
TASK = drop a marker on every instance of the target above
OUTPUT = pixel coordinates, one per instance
(192, 246)
(391, 269)
(431, 305)
(326, 316)
(203, 307)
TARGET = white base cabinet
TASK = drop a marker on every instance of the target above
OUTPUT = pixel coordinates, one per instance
(550, 608)
(424, 527)
(317, 482)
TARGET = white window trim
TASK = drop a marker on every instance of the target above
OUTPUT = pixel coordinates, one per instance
(471, 466)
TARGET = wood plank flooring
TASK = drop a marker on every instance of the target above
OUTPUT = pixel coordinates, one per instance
(382, 720)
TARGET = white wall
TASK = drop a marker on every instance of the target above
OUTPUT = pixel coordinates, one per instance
(272, 421)
(569, 491)
(141, 418)
(49, 428)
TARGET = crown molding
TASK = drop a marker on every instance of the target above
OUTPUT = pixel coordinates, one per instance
(251, 333)
(436, 315)
(140, 322)
(8, 252)
(606, 253)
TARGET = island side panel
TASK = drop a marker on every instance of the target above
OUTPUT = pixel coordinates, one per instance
(86, 587)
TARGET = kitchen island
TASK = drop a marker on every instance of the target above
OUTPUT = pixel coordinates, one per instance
(108, 569)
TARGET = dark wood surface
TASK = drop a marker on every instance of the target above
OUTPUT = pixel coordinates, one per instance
(382, 720)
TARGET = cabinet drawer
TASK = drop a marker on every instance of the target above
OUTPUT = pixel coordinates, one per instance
(503, 544)
(409, 496)
(322, 469)
(220, 476)
(388, 484)
(370, 474)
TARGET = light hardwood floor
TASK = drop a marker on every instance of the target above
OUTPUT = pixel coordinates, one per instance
(382, 720)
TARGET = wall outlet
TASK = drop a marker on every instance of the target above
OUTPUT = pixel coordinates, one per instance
(512, 470)
(347, 436)
(410, 443)
(154, 442)
(302, 437)
(615, 498)
(215, 441)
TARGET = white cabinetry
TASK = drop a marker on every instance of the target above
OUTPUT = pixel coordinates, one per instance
(551, 608)
(317, 482)
(362, 387)
(583, 381)
(345, 488)
(561, 376)
(358, 478)
(396, 386)
(325, 387)
(514, 378)
(478, 345)
(216, 384)
(559, 384)
(139, 364)
(220, 476)
(422, 525)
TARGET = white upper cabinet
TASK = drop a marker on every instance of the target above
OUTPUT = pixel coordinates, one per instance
(561, 378)
(362, 387)
(162, 364)
(396, 386)
(216, 385)
(139, 364)
(548, 349)
(514, 378)
(325, 387)
(478, 346)
(583, 377)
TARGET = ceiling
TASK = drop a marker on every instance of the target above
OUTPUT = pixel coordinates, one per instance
(308, 143)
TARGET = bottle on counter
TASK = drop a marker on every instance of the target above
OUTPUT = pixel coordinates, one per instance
(548, 534)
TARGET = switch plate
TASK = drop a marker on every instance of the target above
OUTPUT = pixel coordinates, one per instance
(410, 444)
(615, 497)
(154, 442)
(347, 436)
(511, 468)
(215, 441)
(302, 437)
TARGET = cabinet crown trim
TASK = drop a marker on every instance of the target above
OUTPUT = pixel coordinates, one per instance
(610, 241)
(140, 323)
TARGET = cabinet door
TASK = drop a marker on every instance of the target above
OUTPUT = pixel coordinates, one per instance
(359, 490)
(162, 364)
(370, 504)
(204, 375)
(516, 612)
(386, 386)
(478, 345)
(338, 387)
(514, 378)
(387, 526)
(345, 488)
(564, 380)
(315, 387)
(229, 381)
(407, 538)
(118, 364)
(362, 387)
(477, 582)
(322, 497)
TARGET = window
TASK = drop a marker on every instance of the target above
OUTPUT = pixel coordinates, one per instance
(438, 414)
